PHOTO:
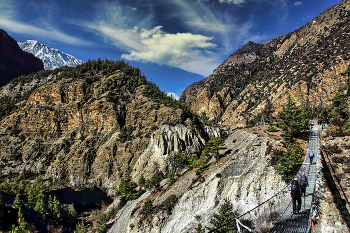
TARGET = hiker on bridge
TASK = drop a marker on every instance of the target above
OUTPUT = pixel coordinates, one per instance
(303, 182)
(311, 156)
(296, 196)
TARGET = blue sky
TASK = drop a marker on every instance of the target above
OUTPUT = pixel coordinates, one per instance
(173, 42)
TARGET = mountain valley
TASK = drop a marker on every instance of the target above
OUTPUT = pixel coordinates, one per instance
(150, 163)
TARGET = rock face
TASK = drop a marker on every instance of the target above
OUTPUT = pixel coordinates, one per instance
(255, 81)
(52, 58)
(13, 61)
(70, 128)
(243, 176)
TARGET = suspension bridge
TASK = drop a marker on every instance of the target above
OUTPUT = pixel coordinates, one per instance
(276, 214)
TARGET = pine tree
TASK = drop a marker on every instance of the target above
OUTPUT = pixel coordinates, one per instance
(56, 210)
(72, 213)
(225, 214)
(80, 228)
(50, 204)
(17, 202)
(22, 225)
(40, 204)
(31, 195)
(147, 207)
(339, 110)
(127, 190)
(293, 119)
(102, 224)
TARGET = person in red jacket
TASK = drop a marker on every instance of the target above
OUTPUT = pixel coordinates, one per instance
(296, 196)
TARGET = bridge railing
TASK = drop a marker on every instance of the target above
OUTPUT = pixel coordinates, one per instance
(264, 216)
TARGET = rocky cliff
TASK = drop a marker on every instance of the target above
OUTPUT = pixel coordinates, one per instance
(306, 64)
(13, 61)
(91, 124)
(243, 176)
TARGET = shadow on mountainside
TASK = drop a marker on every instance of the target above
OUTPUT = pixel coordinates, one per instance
(83, 200)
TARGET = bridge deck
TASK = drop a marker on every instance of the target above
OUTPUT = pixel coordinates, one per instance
(288, 222)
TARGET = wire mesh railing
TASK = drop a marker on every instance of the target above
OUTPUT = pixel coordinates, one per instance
(263, 217)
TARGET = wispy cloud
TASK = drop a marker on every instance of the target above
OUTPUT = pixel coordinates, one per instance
(34, 31)
(297, 4)
(186, 51)
(132, 8)
(131, 32)
(237, 2)
(198, 15)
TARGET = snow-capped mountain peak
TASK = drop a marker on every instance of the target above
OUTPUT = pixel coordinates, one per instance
(52, 58)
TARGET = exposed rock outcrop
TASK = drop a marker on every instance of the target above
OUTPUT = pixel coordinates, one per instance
(243, 176)
(71, 129)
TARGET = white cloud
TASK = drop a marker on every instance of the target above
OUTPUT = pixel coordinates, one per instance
(122, 38)
(237, 2)
(19, 27)
(186, 51)
(199, 15)
(182, 50)
(173, 95)
(132, 8)
(298, 4)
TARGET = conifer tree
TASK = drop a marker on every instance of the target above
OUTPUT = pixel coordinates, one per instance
(50, 204)
(80, 228)
(147, 207)
(31, 195)
(56, 210)
(22, 225)
(72, 213)
(225, 214)
(17, 202)
(293, 119)
(339, 110)
(40, 204)
(127, 190)
(102, 224)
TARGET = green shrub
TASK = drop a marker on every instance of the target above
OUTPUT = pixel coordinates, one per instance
(127, 191)
(287, 163)
(147, 207)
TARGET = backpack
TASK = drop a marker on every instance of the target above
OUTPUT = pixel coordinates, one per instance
(295, 191)
(311, 154)
(303, 181)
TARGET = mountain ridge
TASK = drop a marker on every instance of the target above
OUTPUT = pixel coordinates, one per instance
(13, 61)
(306, 63)
(52, 58)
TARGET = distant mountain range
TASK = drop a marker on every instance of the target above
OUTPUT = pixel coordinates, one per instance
(52, 58)
(13, 61)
